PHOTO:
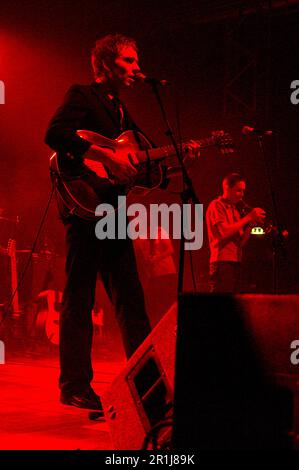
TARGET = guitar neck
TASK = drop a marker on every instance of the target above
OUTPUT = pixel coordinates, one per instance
(14, 284)
(169, 151)
(11, 251)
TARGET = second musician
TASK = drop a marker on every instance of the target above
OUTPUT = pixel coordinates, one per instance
(228, 233)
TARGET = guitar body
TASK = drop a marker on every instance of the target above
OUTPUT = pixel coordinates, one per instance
(84, 189)
(48, 316)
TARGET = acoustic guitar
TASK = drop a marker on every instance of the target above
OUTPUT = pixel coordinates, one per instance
(91, 184)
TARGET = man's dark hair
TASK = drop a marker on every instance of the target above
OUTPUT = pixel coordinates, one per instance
(232, 178)
(107, 49)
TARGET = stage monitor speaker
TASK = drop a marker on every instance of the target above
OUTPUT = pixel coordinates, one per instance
(140, 400)
(229, 350)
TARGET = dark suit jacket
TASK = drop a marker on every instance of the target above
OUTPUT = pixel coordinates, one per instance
(84, 107)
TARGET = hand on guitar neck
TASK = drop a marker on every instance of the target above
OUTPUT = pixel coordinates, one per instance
(191, 151)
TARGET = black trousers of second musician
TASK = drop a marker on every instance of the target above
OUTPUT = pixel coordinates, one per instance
(225, 277)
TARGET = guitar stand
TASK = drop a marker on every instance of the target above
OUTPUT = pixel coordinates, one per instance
(278, 250)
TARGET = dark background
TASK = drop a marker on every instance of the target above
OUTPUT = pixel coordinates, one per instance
(197, 45)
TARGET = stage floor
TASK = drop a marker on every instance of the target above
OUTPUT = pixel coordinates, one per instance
(32, 417)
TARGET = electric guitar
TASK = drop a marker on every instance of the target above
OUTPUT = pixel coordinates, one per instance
(48, 314)
(84, 187)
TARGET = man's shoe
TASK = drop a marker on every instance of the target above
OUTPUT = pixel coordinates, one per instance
(85, 399)
(91, 394)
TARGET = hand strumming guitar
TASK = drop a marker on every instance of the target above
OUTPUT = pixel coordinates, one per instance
(119, 163)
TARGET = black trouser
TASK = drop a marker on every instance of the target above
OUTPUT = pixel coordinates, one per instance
(115, 261)
(225, 276)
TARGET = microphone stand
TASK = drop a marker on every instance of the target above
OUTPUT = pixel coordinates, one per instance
(187, 193)
(277, 237)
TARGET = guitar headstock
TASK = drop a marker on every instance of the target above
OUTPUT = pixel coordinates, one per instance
(11, 248)
(223, 140)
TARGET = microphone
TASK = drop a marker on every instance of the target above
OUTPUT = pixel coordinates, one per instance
(152, 81)
(246, 130)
